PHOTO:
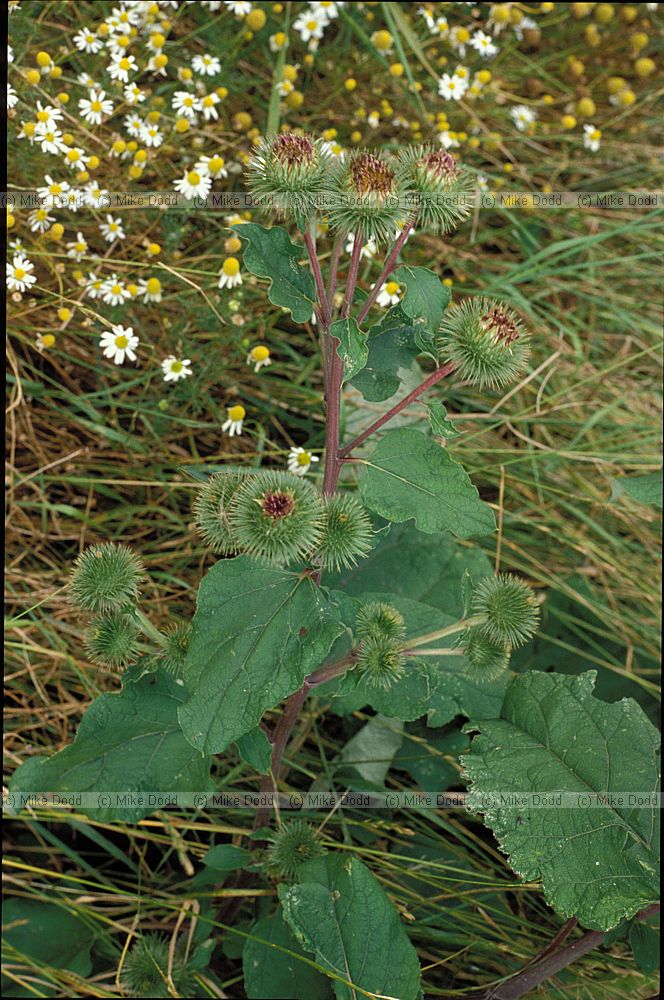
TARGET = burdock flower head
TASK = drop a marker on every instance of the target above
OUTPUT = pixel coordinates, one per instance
(276, 516)
(435, 187)
(485, 341)
(287, 172)
(366, 198)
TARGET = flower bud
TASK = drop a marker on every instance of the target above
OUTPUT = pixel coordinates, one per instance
(380, 661)
(149, 968)
(276, 516)
(294, 845)
(436, 187)
(211, 510)
(347, 532)
(510, 606)
(366, 198)
(288, 171)
(105, 578)
(485, 341)
(486, 659)
(380, 620)
(112, 640)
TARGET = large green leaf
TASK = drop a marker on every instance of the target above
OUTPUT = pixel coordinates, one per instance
(366, 758)
(341, 913)
(424, 302)
(256, 634)
(273, 966)
(426, 568)
(410, 476)
(48, 934)
(598, 864)
(432, 686)
(255, 749)
(391, 348)
(130, 742)
(270, 254)
(352, 347)
(646, 489)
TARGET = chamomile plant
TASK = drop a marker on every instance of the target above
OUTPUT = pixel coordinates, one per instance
(307, 600)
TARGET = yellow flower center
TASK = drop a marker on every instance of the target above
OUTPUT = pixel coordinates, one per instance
(73, 155)
(41, 214)
(19, 273)
(231, 267)
(312, 25)
(55, 189)
(121, 342)
(237, 413)
(304, 458)
(80, 247)
(125, 63)
(392, 287)
(260, 353)
(153, 286)
(176, 366)
(42, 116)
(48, 340)
(193, 177)
(95, 105)
(216, 164)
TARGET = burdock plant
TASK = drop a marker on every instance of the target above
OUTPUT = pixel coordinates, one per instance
(308, 594)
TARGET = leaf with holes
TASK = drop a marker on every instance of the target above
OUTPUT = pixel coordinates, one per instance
(597, 853)
(351, 347)
(341, 914)
(270, 254)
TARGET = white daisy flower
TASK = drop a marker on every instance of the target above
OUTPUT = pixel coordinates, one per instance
(186, 104)
(114, 292)
(93, 285)
(390, 294)
(121, 66)
(87, 41)
(300, 461)
(446, 140)
(151, 136)
(310, 25)
(133, 94)
(240, 9)
(206, 65)
(75, 158)
(150, 289)
(208, 106)
(259, 357)
(484, 44)
(522, 116)
(39, 220)
(19, 277)
(175, 369)
(78, 248)
(452, 88)
(211, 166)
(229, 275)
(95, 107)
(12, 97)
(235, 415)
(112, 229)
(592, 138)
(119, 343)
(50, 139)
(194, 185)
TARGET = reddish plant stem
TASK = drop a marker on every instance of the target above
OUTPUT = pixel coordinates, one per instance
(397, 408)
(334, 269)
(525, 981)
(387, 270)
(332, 464)
(318, 279)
